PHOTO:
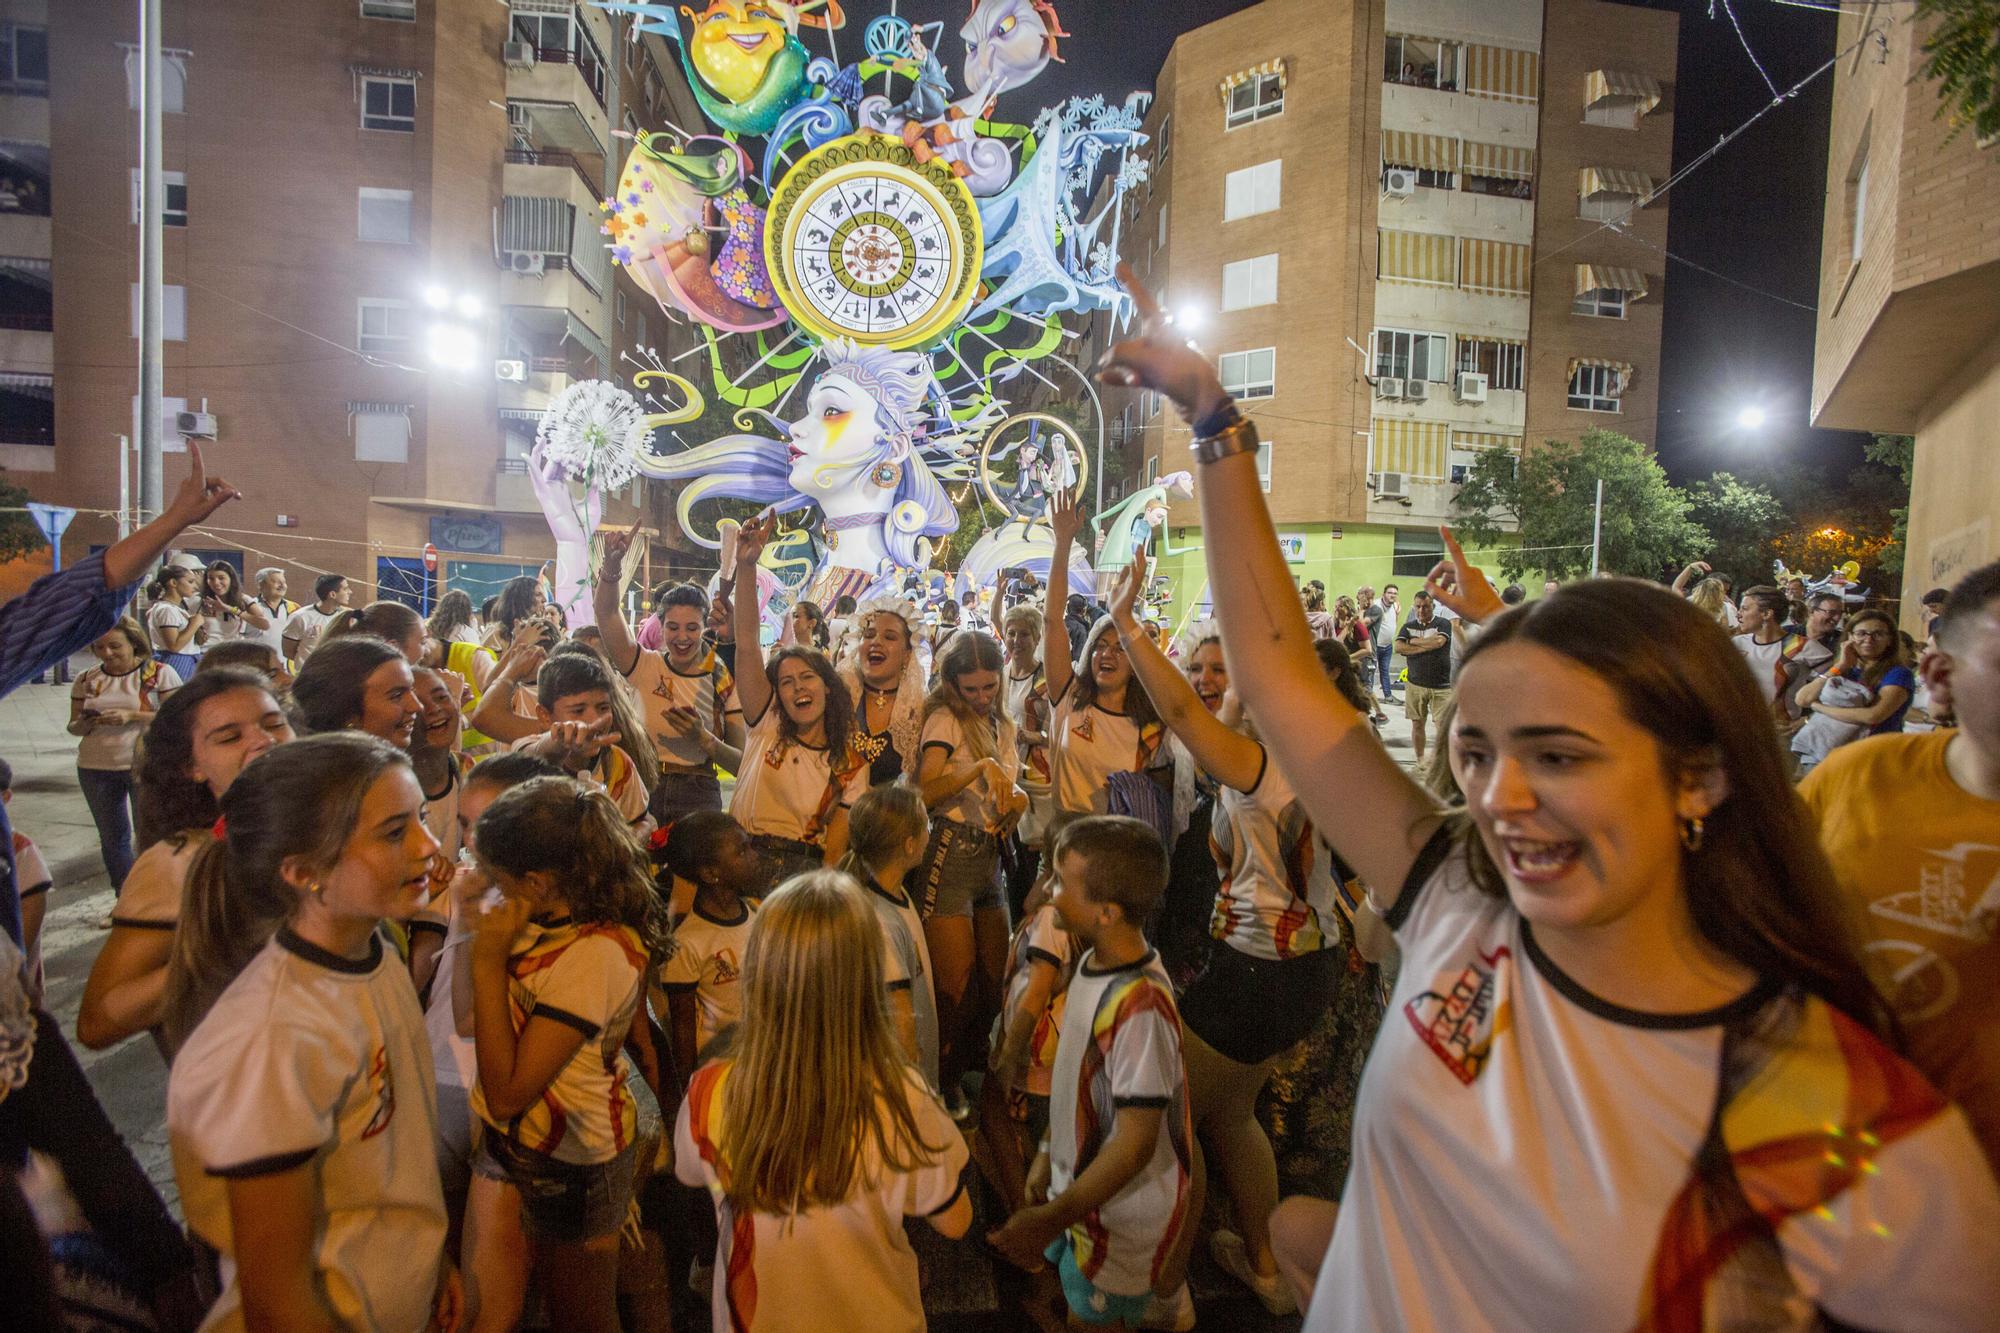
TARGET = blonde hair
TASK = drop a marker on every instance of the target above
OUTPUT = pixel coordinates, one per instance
(1709, 597)
(970, 651)
(884, 818)
(818, 1076)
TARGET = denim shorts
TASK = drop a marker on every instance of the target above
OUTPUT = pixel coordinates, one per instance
(958, 876)
(560, 1201)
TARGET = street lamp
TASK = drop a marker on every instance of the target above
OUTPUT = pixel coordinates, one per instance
(1751, 417)
(453, 340)
(1189, 317)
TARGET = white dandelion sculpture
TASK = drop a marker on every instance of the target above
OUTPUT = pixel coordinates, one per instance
(587, 445)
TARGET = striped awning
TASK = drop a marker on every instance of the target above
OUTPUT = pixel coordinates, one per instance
(1623, 369)
(1417, 448)
(1410, 256)
(1601, 85)
(1614, 180)
(1493, 266)
(1502, 72)
(370, 409)
(1409, 148)
(1485, 439)
(1492, 159)
(1610, 278)
(1275, 66)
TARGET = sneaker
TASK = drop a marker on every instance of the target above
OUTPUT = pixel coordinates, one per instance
(1270, 1289)
(1174, 1312)
(701, 1279)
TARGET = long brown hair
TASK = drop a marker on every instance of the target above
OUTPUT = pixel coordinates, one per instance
(817, 1076)
(839, 714)
(170, 801)
(968, 651)
(1759, 888)
(883, 819)
(295, 801)
(574, 834)
(1083, 682)
(1896, 656)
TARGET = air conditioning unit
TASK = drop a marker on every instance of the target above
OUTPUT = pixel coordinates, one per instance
(1470, 388)
(518, 55)
(195, 425)
(1417, 391)
(511, 372)
(1399, 182)
(1392, 485)
(1388, 387)
(528, 263)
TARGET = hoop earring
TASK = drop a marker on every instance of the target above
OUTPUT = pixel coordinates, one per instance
(1691, 834)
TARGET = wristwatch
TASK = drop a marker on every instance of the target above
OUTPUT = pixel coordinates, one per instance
(1234, 435)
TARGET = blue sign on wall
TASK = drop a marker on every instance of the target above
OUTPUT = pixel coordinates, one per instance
(475, 534)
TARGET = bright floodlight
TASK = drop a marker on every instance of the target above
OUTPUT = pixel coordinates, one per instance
(436, 297)
(469, 307)
(1188, 317)
(452, 346)
(1750, 418)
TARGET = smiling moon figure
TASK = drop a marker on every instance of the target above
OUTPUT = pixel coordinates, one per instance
(744, 63)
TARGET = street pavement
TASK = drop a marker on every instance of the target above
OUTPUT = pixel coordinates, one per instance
(966, 1289)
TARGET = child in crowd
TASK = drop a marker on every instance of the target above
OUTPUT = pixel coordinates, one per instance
(885, 842)
(557, 971)
(441, 771)
(703, 978)
(1112, 1192)
(32, 884)
(109, 707)
(251, 654)
(301, 1111)
(814, 1136)
(572, 687)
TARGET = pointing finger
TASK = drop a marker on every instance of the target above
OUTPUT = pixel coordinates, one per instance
(1451, 545)
(1142, 300)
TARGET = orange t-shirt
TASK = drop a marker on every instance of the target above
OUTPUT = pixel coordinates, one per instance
(1921, 856)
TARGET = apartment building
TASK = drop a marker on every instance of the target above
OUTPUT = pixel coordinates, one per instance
(1909, 297)
(27, 310)
(1410, 231)
(382, 260)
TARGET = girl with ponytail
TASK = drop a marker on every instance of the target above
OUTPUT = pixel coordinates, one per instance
(886, 831)
(301, 1108)
(556, 972)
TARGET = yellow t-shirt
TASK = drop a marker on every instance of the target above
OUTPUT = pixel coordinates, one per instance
(1921, 856)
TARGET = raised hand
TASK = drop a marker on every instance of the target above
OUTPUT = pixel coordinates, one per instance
(1126, 592)
(1460, 587)
(754, 536)
(616, 544)
(1160, 358)
(200, 494)
(1065, 520)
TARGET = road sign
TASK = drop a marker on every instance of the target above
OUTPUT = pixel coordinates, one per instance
(430, 558)
(53, 520)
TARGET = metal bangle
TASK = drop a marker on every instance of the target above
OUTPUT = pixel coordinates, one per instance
(1238, 437)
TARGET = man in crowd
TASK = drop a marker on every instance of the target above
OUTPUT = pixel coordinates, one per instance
(1425, 643)
(332, 594)
(1821, 644)
(277, 610)
(1911, 825)
(1383, 634)
(1765, 645)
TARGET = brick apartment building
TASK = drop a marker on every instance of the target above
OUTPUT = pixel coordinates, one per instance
(1909, 298)
(1388, 221)
(330, 172)
(27, 309)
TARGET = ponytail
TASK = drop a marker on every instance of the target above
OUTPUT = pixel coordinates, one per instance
(221, 929)
(882, 820)
(574, 833)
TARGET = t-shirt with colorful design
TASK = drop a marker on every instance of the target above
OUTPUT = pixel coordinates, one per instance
(790, 790)
(1528, 1154)
(1088, 744)
(141, 690)
(974, 804)
(1121, 1046)
(588, 978)
(707, 963)
(845, 1267)
(906, 966)
(708, 688)
(1278, 891)
(1918, 857)
(1041, 938)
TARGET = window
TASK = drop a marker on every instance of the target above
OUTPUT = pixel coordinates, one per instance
(1250, 282)
(1619, 113)
(644, 336)
(173, 81)
(1507, 187)
(389, 9)
(176, 213)
(1422, 62)
(1857, 203)
(1163, 224)
(1604, 302)
(1415, 552)
(631, 123)
(381, 434)
(1427, 178)
(1400, 354)
(1152, 468)
(1500, 362)
(1264, 468)
(384, 215)
(385, 327)
(24, 58)
(1253, 190)
(1256, 98)
(1165, 142)
(546, 32)
(1595, 388)
(388, 104)
(173, 312)
(1249, 374)
(618, 303)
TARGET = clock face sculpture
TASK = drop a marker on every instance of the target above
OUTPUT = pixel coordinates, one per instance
(865, 242)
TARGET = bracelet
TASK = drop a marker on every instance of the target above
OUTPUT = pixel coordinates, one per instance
(1225, 412)
(1238, 437)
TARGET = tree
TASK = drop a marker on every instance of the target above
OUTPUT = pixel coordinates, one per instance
(18, 534)
(1898, 452)
(1962, 55)
(1548, 498)
(1743, 521)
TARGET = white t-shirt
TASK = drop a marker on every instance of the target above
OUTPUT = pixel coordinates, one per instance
(311, 622)
(973, 804)
(142, 689)
(309, 1057)
(1767, 662)
(846, 1267)
(1016, 690)
(154, 887)
(1089, 744)
(1121, 1046)
(1277, 896)
(906, 966)
(169, 614)
(272, 636)
(709, 689)
(789, 790)
(1530, 1155)
(708, 962)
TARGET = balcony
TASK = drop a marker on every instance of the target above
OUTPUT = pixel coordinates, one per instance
(551, 157)
(553, 106)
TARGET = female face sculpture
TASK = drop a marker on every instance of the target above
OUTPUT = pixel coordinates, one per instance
(839, 437)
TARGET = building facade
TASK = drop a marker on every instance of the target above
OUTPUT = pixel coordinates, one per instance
(1410, 231)
(1909, 298)
(382, 259)
(27, 306)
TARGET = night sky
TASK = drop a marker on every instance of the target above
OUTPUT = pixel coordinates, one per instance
(1752, 212)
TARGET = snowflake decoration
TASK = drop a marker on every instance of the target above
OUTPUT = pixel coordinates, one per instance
(1132, 172)
(593, 433)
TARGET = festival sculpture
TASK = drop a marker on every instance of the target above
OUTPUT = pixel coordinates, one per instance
(876, 266)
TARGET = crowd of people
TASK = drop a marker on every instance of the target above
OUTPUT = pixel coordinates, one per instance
(509, 970)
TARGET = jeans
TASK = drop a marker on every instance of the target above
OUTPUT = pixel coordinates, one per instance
(1383, 652)
(109, 793)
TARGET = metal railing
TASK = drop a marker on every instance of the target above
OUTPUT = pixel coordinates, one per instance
(556, 157)
(586, 64)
